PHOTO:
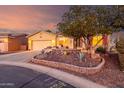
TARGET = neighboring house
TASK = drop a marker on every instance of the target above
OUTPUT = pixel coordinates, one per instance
(114, 38)
(12, 42)
(42, 39)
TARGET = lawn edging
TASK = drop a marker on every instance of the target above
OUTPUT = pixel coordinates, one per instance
(69, 67)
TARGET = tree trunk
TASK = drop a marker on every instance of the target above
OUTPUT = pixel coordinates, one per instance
(75, 43)
(56, 40)
(85, 42)
(91, 49)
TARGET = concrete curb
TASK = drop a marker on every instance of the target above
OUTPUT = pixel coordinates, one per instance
(71, 79)
(69, 67)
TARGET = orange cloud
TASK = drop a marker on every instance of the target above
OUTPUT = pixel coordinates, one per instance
(28, 17)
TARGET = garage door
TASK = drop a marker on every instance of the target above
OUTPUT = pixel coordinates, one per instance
(39, 45)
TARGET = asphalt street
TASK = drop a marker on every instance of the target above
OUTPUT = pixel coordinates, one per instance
(19, 77)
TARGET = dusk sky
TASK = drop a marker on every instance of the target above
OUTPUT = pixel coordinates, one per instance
(30, 18)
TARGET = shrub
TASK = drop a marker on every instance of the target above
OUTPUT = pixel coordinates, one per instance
(101, 50)
(120, 49)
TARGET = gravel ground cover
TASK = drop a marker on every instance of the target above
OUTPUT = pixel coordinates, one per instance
(110, 75)
(69, 58)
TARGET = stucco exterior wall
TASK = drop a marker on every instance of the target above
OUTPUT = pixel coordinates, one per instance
(65, 41)
(41, 36)
(97, 40)
(3, 44)
(13, 44)
(4, 39)
(46, 36)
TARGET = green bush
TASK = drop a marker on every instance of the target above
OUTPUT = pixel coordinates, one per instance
(120, 49)
(101, 50)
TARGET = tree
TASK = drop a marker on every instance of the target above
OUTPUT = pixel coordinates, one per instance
(118, 21)
(87, 21)
(71, 23)
(48, 31)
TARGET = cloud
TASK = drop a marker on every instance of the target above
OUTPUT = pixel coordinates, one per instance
(30, 17)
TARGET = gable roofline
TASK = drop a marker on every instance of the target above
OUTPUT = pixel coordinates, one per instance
(39, 32)
(33, 34)
(60, 35)
(11, 35)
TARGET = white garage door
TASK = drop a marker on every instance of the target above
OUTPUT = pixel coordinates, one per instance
(39, 45)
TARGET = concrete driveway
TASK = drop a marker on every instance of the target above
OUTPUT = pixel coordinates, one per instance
(19, 77)
(19, 57)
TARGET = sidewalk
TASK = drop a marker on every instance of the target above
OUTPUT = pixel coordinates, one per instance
(71, 79)
(19, 57)
(14, 53)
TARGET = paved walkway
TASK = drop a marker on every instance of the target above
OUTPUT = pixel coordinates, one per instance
(19, 57)
(73, 80)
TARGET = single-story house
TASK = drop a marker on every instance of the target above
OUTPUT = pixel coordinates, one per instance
(43, 39)
(12, 42)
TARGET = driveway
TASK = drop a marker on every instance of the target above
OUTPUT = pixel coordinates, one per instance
(19, 57)
(19, 77)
